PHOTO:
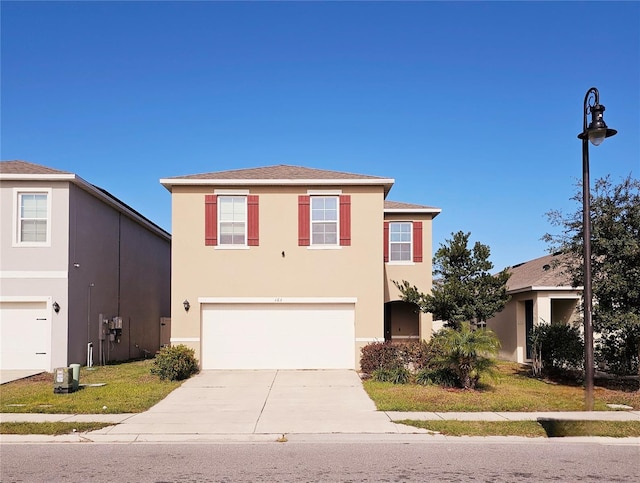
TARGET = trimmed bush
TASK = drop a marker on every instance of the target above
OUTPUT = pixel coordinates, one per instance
(175, 363)
(380, 355)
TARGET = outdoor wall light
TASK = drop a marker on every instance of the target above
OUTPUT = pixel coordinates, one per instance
(56, 307)
(187, 305)
(596, 132)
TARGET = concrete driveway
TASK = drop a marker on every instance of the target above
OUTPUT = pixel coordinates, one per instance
(263, 402)
(8, 375)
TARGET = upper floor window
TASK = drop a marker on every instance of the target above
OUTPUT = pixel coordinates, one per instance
(232, 220)
(403, 241)
(400, 241)
(33, 215)
(324, 220)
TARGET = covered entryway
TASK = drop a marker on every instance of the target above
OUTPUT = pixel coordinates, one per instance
(279, 334)
(401, 321)
(25, 335)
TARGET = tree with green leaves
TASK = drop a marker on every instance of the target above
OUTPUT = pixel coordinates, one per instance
(463, 290)
(615, 266)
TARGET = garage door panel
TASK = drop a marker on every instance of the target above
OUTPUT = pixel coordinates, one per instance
(310, 336)
(25, 335)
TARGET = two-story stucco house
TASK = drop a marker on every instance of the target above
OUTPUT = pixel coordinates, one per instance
(540, 293)
(84, 278)
(291, 267)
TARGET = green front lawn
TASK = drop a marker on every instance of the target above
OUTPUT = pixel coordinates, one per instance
(128, 388)
(511, 390)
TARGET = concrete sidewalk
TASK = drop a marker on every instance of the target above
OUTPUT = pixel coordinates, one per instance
(227, 406)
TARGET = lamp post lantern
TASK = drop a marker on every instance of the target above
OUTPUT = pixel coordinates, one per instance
(596, 132)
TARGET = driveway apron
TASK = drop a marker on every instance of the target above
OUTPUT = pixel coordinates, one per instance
(263, 402)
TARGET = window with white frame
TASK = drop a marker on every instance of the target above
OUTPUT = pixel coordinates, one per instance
(400, 240)
(232, 220)
(33, 217)
(324, 220)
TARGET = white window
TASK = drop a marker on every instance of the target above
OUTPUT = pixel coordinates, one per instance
(232, 220)
(33, 217)
(324, 220)
(400, 241)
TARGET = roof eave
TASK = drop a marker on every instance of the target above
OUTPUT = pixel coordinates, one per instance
(168, 183)
(37, 177)
(534, 288)
(432, 211)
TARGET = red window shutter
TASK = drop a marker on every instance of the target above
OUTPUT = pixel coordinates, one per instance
(304, 220)
(386, 241)
(210, 220)
(253, 223)
(417, 241)
(345, 220)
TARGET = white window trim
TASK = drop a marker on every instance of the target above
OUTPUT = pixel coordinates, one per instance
(324, 246)
(233, 246)
(401, 262)
(16, 242)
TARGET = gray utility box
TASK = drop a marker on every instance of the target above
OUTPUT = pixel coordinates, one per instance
(62, 380)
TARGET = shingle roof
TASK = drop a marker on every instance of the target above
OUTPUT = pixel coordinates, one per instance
(281, 171)
(23, 167)
(398, 205)
(547, 271)
(23, 170)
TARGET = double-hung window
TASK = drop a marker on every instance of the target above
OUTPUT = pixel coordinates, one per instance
(33, 213)
(324, 220)
(403, 242)
(232, 220)
(400, 241)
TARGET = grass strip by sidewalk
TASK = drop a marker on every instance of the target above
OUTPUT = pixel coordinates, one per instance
(56, 428)
(530, 429)
(127, 388)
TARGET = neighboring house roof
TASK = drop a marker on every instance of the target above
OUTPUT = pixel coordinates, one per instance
(399, 207)
(278, 175)
(23, 170)
(544, 273)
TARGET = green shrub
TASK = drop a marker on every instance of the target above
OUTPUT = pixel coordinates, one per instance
(175, 363)
(440, 377)
(397, 375)
(557, 348)
(616, 352)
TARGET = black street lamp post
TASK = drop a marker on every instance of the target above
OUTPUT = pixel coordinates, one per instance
(596, 132)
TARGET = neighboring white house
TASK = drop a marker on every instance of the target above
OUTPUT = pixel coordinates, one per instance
(82, 275)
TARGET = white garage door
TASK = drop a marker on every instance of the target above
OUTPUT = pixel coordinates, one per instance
(25, 335)
(278, 336)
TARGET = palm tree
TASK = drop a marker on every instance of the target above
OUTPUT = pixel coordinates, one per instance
(467, 352)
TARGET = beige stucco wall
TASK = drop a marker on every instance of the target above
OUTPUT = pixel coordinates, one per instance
(418, 274)
(348, 271)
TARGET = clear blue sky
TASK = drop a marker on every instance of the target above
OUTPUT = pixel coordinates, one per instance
(472, 107)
